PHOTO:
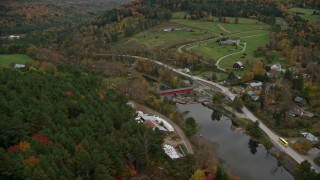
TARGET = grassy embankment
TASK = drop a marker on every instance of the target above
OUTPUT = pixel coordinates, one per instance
(7, 60)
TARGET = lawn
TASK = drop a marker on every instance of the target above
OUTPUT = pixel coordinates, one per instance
(307, 14)
(7, 60)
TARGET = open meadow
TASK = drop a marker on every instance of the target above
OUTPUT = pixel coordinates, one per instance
(308, 14)
(157, 38)
(7, 59)
(225, 28)
(249, 31)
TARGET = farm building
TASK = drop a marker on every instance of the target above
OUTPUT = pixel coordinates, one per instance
(238, 65)
(229, 42)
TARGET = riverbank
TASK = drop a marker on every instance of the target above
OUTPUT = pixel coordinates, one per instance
(240, 120)
(235, 150)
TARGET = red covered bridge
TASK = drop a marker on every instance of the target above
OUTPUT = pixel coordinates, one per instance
(175, 91)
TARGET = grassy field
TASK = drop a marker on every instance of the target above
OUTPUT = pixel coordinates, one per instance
(205, 25)
(307, 14)
(7, 60)
(243, 25)
(156, 38)
(214, 51)
(180, 15)
(253, 42)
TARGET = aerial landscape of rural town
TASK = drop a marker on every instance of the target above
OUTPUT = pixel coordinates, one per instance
(160, 89)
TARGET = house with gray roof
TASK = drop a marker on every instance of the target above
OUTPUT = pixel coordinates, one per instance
(313, 139)
(300, 101)
(295, 111)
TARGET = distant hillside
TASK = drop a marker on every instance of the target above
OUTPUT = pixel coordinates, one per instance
(23, 16)
(96, 5)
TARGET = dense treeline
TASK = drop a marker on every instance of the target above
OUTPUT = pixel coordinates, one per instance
(64, 124)
(307, 3)
(199, 8)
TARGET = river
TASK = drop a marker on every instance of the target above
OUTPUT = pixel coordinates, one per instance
(243, 157)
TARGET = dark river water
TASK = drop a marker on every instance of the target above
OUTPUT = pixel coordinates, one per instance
(243, 157)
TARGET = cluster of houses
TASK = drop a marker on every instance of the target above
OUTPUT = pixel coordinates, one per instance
(154, 122)
(177, 29)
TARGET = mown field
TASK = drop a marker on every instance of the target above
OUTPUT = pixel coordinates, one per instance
(307, 14)
(215, 51)
(249, 31)
(243, 25)
(157, 38)
(253, 42)
(7, 60)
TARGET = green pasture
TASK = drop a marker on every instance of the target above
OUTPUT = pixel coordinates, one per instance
(244, 24)
(156, 37)
(307, 14)
(180, 15)
(215, 51)
(205, 25)
(7, 59)
(253, 42)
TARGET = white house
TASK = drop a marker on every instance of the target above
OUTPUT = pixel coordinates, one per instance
(186, 70)
(229, 42)
(276, 67)
(256, 85)
(19, 66)
(12, 37)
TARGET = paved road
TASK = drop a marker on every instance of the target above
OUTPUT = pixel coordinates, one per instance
(183, 137)
(274, 137)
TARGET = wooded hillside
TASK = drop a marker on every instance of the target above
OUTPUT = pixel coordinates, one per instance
(64, 123)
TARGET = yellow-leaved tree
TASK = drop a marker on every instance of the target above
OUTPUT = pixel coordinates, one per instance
(198, 175)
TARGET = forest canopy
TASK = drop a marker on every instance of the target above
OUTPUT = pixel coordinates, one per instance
(64, 123)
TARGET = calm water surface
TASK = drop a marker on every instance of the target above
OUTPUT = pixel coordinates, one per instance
(242, 156)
